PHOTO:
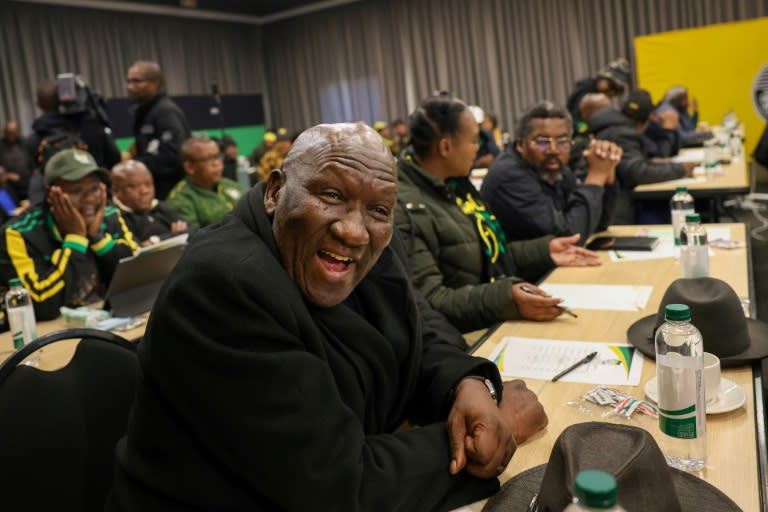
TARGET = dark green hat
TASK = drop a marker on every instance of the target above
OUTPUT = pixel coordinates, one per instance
(72, 165)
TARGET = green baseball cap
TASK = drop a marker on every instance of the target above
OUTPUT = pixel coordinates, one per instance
(72, 165)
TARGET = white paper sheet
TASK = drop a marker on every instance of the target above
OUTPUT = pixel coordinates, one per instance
(666, 247)
(616, 364)
(612, 297)
(689, 155)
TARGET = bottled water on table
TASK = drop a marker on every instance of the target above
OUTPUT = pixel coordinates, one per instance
(679, 377)
(694, 250)
(680, 205)
(243, 172)
(595, 490)
(21, 316)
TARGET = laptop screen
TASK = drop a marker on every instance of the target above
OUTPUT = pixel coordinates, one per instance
(137, 280)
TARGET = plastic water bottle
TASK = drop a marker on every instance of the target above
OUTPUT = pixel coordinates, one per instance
(694, 251)
(243, 174)
(679, 377)
(21, 316)
(595, 490)
(711, 158)
(734, 144)
(681, 205)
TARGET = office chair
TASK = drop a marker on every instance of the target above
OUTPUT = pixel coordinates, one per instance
(58, 429)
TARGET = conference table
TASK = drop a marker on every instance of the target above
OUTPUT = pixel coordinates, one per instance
(736, 452)
(58, 354)
(731, 178)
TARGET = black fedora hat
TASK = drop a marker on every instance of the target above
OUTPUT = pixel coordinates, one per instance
(716, 311)
(630, 454)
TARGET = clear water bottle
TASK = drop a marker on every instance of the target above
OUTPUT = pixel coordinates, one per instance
(735, 143)
(679, 377)
(712, 154)
(595, 490)
(21, 316)
(694, 251)
(680, 205)
(243, 174)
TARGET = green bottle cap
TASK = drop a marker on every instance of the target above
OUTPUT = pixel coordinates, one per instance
(693, 218)
(14, 282)
(681, 189)
(596, 489)
(677, 312)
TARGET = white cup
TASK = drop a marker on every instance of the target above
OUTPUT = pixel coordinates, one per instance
(711, 377)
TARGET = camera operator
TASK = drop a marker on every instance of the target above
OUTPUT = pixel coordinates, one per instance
(159, 126)
(79, 122)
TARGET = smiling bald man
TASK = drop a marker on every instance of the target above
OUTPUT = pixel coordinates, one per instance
(287, 347)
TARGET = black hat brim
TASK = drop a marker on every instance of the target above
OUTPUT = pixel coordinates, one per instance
(693, 493)
(640, 335)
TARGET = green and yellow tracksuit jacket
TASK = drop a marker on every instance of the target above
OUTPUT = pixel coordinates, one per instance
(201, 207)
(62, 271)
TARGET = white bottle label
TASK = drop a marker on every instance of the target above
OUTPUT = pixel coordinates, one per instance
(678, 221)
(22, 324)
(679, 381)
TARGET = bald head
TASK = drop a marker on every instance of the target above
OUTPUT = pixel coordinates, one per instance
(353, 140)
(332, 207)
(133, 186)
(593, 102)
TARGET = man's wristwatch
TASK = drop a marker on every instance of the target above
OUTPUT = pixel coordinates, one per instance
(488, 384)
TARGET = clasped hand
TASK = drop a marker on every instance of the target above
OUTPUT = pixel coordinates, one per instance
(483, 435)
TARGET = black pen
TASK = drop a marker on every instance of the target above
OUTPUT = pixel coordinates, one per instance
(574, 366)
(562, 308)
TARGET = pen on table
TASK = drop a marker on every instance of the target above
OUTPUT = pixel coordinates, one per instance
(562, 308)
(575, 365)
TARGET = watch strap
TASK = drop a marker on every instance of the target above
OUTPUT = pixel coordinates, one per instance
(488, 384)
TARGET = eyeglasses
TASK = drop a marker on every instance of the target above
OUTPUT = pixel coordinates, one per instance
(209, 158)
(132, 81)
(78, 195)
(545, 143)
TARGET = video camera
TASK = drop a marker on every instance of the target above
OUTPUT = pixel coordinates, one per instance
(76, 97)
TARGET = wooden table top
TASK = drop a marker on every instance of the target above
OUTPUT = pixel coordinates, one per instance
(732, 464)
(729, 178)
(58, 355)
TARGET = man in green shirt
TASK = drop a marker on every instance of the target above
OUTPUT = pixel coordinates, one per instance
(204, 196)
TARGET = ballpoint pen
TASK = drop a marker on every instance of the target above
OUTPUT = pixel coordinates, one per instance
(562, 308)
(575, 365)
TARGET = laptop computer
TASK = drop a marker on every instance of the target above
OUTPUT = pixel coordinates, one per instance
(137, 280)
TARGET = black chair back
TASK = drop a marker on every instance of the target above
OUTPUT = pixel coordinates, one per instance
(58, 429)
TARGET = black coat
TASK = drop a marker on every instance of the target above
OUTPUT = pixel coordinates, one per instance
(661, 142)
(252, 399)
(160, 128)
(635, 167)
(529, 207)
(154, 222)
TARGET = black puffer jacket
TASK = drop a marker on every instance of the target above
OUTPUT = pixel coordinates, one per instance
(635, 168)
(465, 275)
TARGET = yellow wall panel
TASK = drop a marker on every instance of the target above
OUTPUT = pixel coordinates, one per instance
(718, 64)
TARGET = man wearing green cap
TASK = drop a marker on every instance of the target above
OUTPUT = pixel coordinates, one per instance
(66, 250)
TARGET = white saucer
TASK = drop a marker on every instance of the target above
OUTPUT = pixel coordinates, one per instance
(731, 396)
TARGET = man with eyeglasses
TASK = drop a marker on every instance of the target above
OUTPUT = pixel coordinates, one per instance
(159, 126)
(204, 196)
(532, 190)
(66, 250)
